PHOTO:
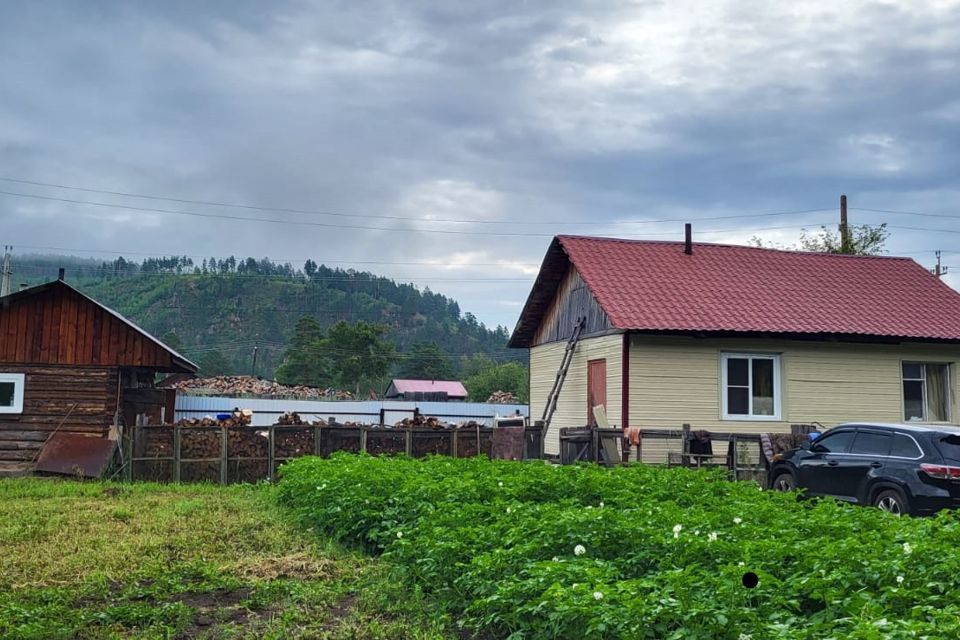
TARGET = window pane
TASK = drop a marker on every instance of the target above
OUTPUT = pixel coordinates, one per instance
(938, 393)
(7, 393)
(871, 443)
(762, 387)
(912, 400)
(738, 401)
(737, 372)
(833, 443)
(904, 447)
(950, 447)
(912, 370)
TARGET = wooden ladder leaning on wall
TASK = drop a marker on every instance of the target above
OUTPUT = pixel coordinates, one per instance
(551, 407)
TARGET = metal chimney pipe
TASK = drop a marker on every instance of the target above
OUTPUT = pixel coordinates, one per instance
(688, 244)
(61, 273)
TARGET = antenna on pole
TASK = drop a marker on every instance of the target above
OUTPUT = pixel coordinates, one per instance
(939, 270)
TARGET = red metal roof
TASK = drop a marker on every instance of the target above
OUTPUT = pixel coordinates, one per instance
(450, 387)
(655, 286)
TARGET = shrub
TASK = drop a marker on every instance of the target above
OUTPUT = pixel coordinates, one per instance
(529, 550)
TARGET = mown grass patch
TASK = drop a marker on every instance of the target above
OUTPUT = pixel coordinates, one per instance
(527, 550)
(102, 560)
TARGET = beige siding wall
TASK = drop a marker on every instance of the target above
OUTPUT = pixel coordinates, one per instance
(677, 380)
(572, 405)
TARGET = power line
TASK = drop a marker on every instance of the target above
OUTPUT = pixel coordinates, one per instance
(328, 225)
(316, 212)
(907, 213)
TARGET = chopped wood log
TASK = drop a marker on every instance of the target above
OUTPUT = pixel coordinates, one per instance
(250, 386)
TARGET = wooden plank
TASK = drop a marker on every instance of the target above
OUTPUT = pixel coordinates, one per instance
(55, 313)
(96, 337)
(4, 325)
(138, 358)
(23, 321)
(68, 350)
(47, 330)
(36, 333)
(81, 354)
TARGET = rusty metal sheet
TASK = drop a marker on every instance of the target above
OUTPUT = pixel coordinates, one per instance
(76, 455)
(507, 443)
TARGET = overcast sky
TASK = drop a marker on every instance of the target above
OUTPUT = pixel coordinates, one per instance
(523, 118)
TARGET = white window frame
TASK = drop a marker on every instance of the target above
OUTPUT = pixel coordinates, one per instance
(777, 390)
(949, 382)
(18, 379)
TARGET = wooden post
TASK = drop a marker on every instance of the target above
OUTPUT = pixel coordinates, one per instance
(844, 229)
(271, 451)
(685, 446)
(128, 437)
(316, 440)
(639, 449)
(176, 453)
(733, 458)
(223, 455)
(363, 439)
(453, 443)
(408, 442)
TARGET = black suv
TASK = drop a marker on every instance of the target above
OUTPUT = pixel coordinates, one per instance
(900, 468)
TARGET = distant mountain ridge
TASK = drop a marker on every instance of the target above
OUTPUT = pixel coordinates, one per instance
(229, 306)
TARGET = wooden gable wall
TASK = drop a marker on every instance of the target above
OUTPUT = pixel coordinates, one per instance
(60, 326)
(573, 300)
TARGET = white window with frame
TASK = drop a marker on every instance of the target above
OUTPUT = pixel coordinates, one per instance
(751, 386)
(926, 391)
(11, 392)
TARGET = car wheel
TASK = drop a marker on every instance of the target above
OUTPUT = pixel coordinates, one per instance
(891, 501)
(784, 482)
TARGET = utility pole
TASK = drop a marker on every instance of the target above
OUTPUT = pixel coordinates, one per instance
(253, 369)
(939, 270)
(7, 274)
(844, 230)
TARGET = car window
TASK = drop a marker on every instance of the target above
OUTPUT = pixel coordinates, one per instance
(904, 447)
(950, 446)
(871, 443)
(833, 442)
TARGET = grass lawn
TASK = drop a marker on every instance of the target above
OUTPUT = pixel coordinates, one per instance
(101, 560)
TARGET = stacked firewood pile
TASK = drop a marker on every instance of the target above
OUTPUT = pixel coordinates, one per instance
(503, 397)
(422, 422)
(250, 386)
(237, 418)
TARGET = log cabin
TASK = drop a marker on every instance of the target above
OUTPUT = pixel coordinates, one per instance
(71, 364)
(737, 339)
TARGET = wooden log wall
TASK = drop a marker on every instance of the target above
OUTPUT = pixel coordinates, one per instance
(48, 395)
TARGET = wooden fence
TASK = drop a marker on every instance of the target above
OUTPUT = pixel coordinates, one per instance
(251, 454)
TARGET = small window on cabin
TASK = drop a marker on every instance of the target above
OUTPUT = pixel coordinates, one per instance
(11, 392)
(926, 392)
(751, 386)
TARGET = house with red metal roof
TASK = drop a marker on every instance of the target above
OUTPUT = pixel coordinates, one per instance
(737, 339)
(426, 390)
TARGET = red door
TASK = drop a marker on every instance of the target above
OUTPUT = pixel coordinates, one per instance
(596, 387)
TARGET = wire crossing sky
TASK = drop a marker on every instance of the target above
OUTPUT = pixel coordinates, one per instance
(444, 143)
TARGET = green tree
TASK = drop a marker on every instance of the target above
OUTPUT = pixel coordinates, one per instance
(305, 361)
(512, 377)
(865, 240)
(360, 355)
(172, 340)
(214, 363)
(426, 361)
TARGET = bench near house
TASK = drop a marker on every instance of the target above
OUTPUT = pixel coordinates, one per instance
(68, 364)
(737, 339)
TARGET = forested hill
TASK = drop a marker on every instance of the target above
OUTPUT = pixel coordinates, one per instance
(226, 307)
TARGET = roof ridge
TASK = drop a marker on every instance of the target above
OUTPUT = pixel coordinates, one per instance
(726, 245)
